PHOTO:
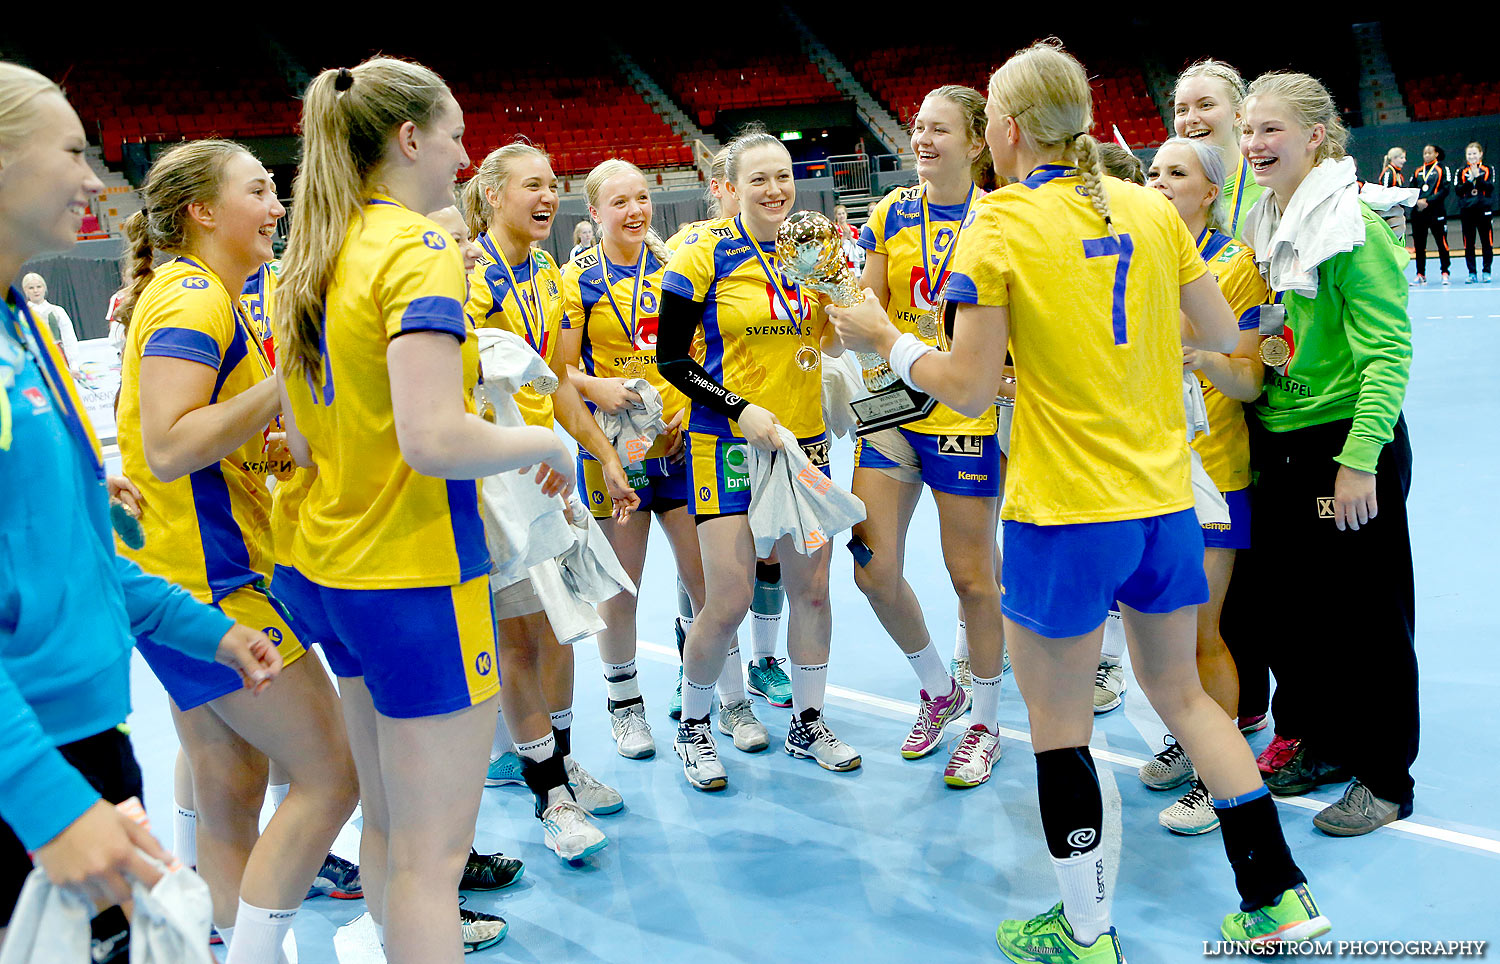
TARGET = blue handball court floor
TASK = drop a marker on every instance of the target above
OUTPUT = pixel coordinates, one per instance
(795, 864)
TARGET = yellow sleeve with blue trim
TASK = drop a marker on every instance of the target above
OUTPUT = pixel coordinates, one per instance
(690, 273)
(421, 260)
(190, 320)
(980, 268)
(872, 235)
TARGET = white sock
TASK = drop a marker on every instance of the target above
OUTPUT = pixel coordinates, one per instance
(764, 631)
(808, 686)
(931, 673)
(697, 699)
(622, 681)
(731, 677)
(961, 641)
(1086, 900)
(225, 934)
(562, 719)
(503, 742)
(986, 704)
(1113, 650)
(380, 932)
(278, 794)
(538, 751)
(185, 836)
(258, 934)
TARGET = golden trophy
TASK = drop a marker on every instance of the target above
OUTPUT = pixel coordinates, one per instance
(810, 252)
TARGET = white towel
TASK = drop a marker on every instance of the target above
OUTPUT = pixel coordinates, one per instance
(1386, 201)
(1323, 220)
(171, 920)
(169, 925)
(633, 431)
(571, 585)
(1208, 502)
(522, 527)
(842, 383)
(791, 496)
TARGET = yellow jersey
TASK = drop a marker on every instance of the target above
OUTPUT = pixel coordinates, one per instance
(675, 241)
(1098, 430)
(371, 521)
(752, 327)
(617, 306)
(525, 299)
(919, 240)
(1225, 450)
(209, 531)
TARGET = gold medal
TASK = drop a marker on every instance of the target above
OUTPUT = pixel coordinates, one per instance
(807, 358)
(543, 384)
(927, 325)
(486, 410)
(636, 367)
(1275, 351)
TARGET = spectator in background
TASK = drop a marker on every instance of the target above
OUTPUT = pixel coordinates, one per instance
(1476, 202)
(34, 287)
(1390, 174)
(1432, 181)
(583, 238)
(849, 236)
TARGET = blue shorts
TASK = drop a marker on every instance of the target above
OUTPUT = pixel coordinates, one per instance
(1234, 534)
(422, 652)
(192, 682)
(1063, 580)
(719, 471)
(955, 464)
(661, 483)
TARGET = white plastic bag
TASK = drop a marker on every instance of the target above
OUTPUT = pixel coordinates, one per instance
(50, 925)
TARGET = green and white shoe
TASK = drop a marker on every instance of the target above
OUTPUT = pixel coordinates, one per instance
(1292, 917)
(1048, 939)
(674, 709)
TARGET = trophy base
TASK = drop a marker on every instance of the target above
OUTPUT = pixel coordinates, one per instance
(895, 406)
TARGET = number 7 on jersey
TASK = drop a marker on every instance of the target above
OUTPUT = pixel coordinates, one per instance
(1110, 247)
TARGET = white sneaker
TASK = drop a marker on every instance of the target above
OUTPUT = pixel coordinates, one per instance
(1193, 814)
(595, 797)
(700, 758)
(1109, 687)
(809, 738)
(959, 669)
(631, 731)
(1170, 768)
(738, 720)
(973, 758)
(569, 833)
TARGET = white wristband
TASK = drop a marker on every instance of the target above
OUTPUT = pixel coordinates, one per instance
(904, 354)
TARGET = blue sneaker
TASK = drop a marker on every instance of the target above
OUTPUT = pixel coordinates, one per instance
(338, 878)
(1485, 277)
(505, 771)
(769, 681)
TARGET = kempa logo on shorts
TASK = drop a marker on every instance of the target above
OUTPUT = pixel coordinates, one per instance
(598, 497)
(482, 664)
(970, 446)
(973, 477)
(734, 459)
(1325, 507)
(273, 634)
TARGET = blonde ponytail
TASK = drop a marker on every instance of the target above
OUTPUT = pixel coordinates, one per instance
(348, 117)
(1045, 90)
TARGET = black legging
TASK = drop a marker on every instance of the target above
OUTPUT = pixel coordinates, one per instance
(1421, 223)
(1337, 610)
(1477, 222)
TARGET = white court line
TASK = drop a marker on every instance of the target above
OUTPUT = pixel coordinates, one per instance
(1435, 317)
(903, 710)
(1463, 316)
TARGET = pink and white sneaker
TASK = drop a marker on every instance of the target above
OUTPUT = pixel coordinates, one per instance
(1277, 754)
(927, 732)
(973, 758)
